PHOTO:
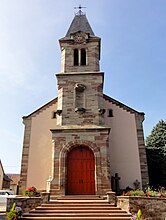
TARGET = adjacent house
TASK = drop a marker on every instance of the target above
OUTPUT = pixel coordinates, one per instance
(4, 179)
(1, 175)
(14, 184)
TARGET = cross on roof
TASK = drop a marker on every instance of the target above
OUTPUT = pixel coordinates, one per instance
(80, 11)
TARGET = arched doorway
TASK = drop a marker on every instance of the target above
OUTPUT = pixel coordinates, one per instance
(80, 171)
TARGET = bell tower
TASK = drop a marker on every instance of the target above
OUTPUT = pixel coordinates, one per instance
(80, 82)
(80, 109)
(80, 48)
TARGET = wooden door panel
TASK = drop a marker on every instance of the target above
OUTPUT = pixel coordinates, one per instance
(80, 171)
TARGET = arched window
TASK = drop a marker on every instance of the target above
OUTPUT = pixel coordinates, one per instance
(83, 57)
(76, 57)
(80, 57)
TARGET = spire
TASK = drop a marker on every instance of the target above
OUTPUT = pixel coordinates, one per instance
(80, 48)
(80, 23)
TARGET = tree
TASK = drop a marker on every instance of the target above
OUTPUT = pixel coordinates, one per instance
(156, 154)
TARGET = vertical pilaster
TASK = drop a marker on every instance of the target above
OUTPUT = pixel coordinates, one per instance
(142, 151)
(25, 154)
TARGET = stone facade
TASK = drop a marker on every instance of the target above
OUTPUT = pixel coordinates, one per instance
(80, 99)
(79, 117)
(92, 49)
(97, 140)
(92, 99)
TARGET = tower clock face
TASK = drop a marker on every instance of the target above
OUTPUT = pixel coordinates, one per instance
(80, 37)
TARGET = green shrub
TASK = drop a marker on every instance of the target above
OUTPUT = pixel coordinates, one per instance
(14, 213)
(149, 192)
(137, 192)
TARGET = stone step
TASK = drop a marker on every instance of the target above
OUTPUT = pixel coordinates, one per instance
(80, 197)
(77, 197)
(101, 214)
(79, 202)
(82, 204)
(76, 218)
(77, 209)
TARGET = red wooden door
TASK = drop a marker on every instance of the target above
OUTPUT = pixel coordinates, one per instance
(80, 171)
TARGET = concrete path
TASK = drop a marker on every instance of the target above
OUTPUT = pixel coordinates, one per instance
(2, 212)
(2, 216)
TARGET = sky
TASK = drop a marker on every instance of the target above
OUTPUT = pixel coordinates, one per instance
(133, 57)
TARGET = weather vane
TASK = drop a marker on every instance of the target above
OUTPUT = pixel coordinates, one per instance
(80, 11)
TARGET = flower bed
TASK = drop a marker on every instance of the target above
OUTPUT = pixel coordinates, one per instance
(147, 192)
(31, 191)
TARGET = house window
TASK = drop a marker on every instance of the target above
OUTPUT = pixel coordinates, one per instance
(80, 58)
(110, 113)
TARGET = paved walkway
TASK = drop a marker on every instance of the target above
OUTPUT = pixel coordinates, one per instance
(2, 208)
(2, 212)
(2, 216)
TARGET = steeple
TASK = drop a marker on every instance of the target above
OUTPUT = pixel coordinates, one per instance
(80, 23)
(80, 47)
(80, 82)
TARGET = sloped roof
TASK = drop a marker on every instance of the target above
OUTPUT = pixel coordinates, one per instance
(53, 101)
(6, 178)
(107, 98)
(1, 166)
(15, 178)
(80, 23)
(121, 105)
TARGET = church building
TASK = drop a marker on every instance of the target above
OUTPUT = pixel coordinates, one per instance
(75, 143)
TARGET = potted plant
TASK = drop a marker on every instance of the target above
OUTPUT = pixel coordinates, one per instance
(31, 191)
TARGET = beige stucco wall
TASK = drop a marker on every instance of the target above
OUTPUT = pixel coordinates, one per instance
(40, 152)
(124, 154)
(1, 176)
